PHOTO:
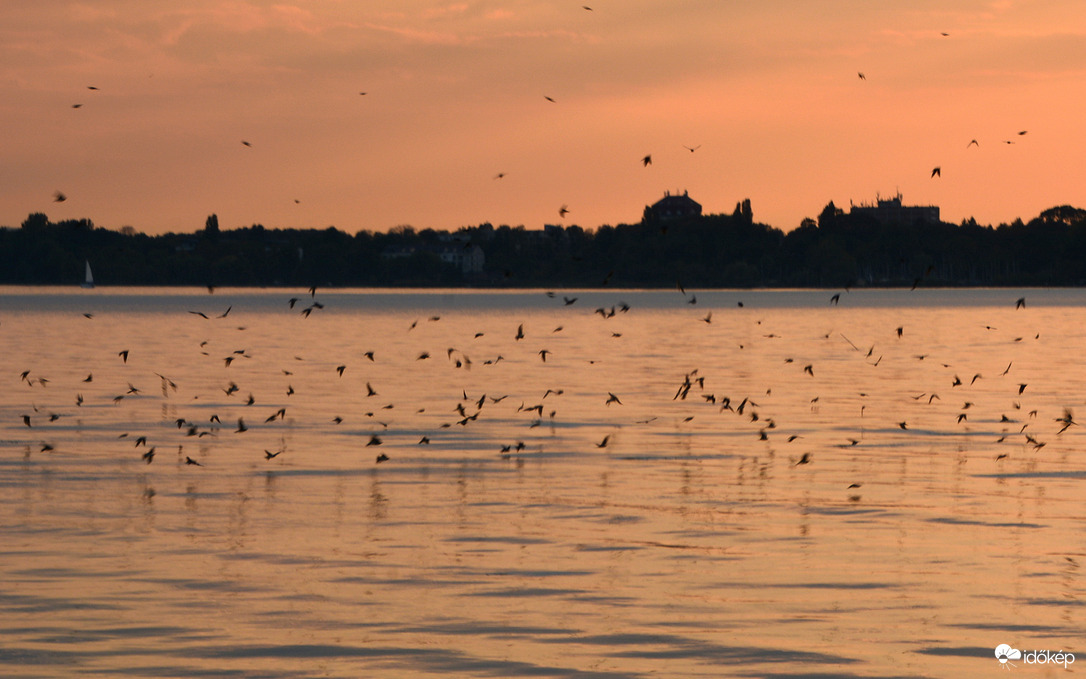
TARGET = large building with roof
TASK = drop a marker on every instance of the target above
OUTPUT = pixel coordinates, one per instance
(672, 206)
(891, 211)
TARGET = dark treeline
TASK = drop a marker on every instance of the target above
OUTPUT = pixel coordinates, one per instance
(837, 249)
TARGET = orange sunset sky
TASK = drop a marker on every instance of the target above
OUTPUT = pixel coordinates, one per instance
(767, 92)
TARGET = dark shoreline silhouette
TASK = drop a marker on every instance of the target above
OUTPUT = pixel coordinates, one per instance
(710, 251)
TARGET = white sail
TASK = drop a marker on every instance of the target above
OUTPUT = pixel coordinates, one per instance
(88, 282)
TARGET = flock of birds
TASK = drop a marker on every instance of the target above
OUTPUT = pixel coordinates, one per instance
(646, 160)
(693, 386)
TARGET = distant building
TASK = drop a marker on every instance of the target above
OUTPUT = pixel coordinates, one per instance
(891, 211)
(672, 207)
(468, 258)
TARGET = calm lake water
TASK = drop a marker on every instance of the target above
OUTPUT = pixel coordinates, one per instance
(605, 512)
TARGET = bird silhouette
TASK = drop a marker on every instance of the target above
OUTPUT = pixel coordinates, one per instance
(937, 172)
(1021, 303)
(647, 160)
(563, 211)
(59, 197)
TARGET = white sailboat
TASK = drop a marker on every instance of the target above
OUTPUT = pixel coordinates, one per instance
(88, 282)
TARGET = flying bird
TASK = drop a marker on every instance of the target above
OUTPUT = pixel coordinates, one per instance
(691, 149)
(1021, 303)
(973, 142)
(937, 171)
(647, 160)
(59, 197)
(246, 143)
(550, 99)
(862, 76)
(563, 211)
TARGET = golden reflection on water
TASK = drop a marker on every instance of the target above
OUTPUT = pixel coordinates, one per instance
(689, 545)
